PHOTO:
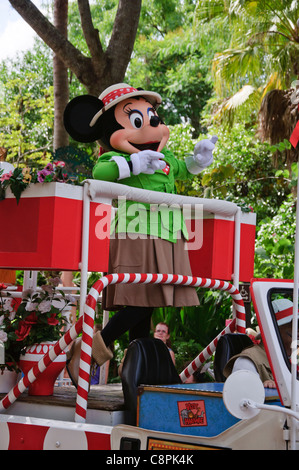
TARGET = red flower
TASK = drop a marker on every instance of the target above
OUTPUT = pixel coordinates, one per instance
(2, 286)
(31, 319)
(52, 320)
(23, 331)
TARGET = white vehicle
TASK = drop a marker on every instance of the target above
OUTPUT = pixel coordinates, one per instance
(236, 414)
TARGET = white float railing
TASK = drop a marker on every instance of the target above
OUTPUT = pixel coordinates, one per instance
(105, 192)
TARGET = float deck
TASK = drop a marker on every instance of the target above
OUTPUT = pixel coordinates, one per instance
(105, 405)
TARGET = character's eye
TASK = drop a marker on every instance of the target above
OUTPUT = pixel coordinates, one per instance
(136, 119)
(151, 113)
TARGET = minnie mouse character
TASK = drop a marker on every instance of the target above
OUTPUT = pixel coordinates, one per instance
(125, 122)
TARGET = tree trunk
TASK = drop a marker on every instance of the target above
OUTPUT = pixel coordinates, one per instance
(278, 116)
(103, 68)
(60, 76)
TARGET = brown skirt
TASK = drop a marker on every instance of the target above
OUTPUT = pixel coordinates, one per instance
(149, 255)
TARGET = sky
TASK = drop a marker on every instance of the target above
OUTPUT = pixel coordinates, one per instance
(15, 34)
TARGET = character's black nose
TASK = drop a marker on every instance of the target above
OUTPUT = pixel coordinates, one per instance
(155, 121)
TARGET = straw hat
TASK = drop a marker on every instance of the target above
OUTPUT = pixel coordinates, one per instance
(121, 91)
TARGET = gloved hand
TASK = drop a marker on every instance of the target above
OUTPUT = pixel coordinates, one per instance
(147, 161)
(203, 155)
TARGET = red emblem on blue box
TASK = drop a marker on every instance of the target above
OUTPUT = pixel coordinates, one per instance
(192, 413)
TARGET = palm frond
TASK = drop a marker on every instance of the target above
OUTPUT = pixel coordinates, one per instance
(207, 9)
(238, 105)
(239, 98)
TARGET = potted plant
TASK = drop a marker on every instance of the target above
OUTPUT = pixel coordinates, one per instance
(41, 321)
(36, 324)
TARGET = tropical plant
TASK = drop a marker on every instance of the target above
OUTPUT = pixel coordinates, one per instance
(200, 323)
(174, 66)
(264, 41)
(26, 119)
(262, 54)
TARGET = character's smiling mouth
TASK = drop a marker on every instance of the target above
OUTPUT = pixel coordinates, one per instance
(148, 146)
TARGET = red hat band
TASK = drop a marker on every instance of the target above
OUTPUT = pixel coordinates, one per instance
(113, 95)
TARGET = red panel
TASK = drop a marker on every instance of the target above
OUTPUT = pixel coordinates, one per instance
(45, 234)
(26, 437)
(66, 238)
(215, 259)
(19, 225)
(99, 236)
(247, 252)
(98, 441)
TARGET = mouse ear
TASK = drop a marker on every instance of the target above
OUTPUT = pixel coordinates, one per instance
(77, 116)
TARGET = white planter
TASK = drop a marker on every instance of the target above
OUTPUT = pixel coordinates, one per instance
(8, 379)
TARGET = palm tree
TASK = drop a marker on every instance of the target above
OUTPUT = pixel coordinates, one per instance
(262, 61)
(264, 43)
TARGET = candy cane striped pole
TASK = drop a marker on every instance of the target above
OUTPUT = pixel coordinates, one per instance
(176, 279)
(33, 374)
(87, 322)
(206, 353)
(238, 324)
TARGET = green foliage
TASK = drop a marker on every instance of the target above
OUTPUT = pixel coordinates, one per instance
(274, 256)
(263, 41)
(103, 13)
(27, 106)
(168, 60)
(185, 352)
(79, 162)
(243, 170)
(26, 120)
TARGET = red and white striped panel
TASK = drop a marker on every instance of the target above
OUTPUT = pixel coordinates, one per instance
(19, 433)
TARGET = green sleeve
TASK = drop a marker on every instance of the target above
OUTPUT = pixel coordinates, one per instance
(105, 168)
(106, 171)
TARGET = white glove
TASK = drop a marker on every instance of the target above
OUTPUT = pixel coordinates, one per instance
(147, 161)
(203, 155)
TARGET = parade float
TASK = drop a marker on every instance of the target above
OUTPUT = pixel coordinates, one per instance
(236, 414)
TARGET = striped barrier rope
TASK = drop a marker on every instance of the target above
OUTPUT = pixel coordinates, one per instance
(86, 323)
(239, 323)
(206, 353)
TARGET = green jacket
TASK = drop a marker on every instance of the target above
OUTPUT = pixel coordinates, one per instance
(142, 218)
